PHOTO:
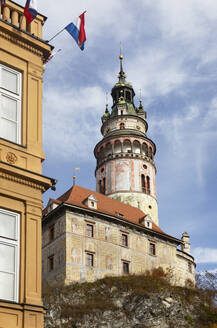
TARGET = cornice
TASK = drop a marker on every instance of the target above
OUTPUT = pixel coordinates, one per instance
(22, 181)
(24, 43)
(25, 177)
(131, 156)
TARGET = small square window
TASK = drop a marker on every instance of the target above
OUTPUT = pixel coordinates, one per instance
(89, 230)
(90, 259)
(51, 233)
(51, 263)
(152, 249)
(126, 267)
(124, 240)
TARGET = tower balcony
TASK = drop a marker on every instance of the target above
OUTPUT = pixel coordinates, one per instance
(108, 157)
(13, 14)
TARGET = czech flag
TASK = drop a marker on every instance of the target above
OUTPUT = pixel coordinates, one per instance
(77, 31)
(30, 10)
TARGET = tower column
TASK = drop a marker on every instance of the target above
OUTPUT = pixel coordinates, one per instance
(130, 170)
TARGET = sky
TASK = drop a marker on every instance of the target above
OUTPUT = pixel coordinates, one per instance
(170, 53)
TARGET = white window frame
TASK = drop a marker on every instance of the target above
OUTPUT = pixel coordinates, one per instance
(15, 242)
(16, 96)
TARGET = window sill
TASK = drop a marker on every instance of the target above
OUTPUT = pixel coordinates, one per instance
(14, 143)
(125, 246)
(152, 255)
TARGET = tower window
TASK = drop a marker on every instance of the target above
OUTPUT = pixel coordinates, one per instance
(150, 153)
(189, 267)
(102, 186)
(148, 185)
(10, 98)
(9, 250)
(122, 126)
(128, 96)
(143, 183)
(144, 166)
(144, 149)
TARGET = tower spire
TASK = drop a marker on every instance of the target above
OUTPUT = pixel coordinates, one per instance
(121, 74)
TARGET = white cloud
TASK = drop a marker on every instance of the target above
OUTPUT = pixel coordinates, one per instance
(205, 255)
(71, 121)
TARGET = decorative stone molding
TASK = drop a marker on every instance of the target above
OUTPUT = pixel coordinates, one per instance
(21, 44)
(11, 158)
(22, 181)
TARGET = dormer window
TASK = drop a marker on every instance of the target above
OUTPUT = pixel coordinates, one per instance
(51, 206)
(146, 221)
(122, 109)
(91, 202)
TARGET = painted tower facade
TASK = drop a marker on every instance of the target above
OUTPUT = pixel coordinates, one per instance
(125, 156)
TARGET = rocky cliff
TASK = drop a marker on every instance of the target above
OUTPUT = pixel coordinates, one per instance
(145, 301)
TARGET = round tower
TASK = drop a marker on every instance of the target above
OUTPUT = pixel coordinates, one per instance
(125, 156)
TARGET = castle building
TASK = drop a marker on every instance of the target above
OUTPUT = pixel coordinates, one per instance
(88, 234)
(22, 54)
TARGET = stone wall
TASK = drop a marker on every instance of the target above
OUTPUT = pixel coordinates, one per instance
(108, 252)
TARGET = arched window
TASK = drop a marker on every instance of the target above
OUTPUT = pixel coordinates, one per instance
(108, 149)
(103, 190)
(150, 152)
(117, 147)
(143, 184)
(127, 148)
(144, 149)
(101, 152)
(122, 126)
(148, 191)
(102, 186)
(136, 147)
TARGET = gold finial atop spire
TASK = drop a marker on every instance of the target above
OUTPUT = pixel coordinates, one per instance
(121, 54)
(121, 74)
(106, 98)
(140, 96)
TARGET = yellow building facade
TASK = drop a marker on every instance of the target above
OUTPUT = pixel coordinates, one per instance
(22, 54)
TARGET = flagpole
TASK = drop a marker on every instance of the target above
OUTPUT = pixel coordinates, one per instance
(56, 34)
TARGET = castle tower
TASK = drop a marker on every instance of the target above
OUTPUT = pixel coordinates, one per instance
(22, 54)
(125, 156)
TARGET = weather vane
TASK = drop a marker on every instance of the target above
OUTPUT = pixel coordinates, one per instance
(74, 176)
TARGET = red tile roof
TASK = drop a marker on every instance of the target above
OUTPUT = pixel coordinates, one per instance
(77, 195)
